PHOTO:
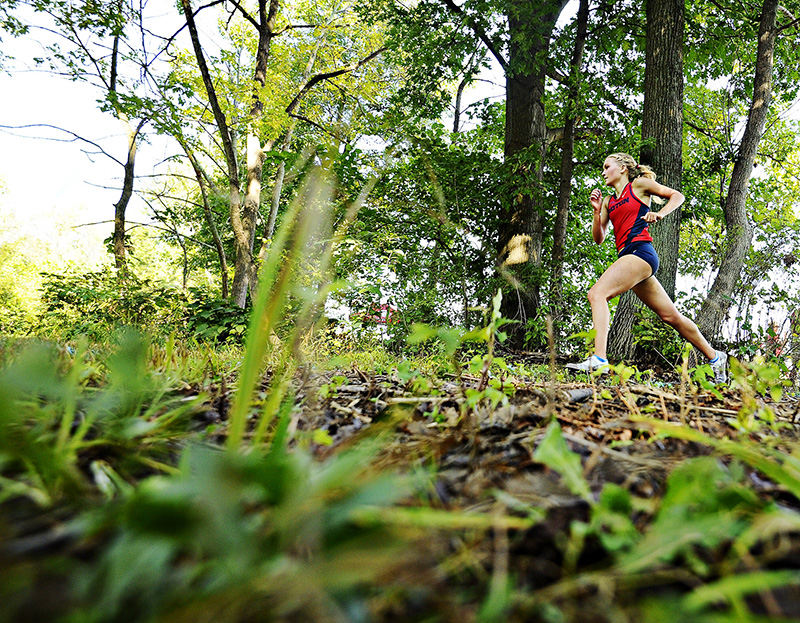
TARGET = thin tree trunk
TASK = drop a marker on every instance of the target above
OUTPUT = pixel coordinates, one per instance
(739, 232)
(240, 236)
(246, 272)
(662, 149)
(212, 225)
(457, 113)
(121, 206)
(567, 167)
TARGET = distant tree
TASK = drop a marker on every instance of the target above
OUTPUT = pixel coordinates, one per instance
(276, 92)
(738, 228)
(437, 38)
(97, 43)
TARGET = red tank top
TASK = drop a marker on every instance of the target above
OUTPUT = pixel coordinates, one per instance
(626, 214)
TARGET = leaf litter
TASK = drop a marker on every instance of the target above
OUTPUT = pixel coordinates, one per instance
(558, 492)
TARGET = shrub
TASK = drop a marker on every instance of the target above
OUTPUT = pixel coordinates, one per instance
(96, 303)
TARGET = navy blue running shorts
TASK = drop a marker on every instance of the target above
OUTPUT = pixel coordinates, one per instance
(644, 250)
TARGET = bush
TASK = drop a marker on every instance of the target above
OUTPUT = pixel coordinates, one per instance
(215, 319)
(96, 303)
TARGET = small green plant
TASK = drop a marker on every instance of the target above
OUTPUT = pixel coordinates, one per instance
(654, 337)
(756, 379)
(328, 390)
(215, 320)
(587, 337)
(235, 532)
(707, 526)
(58, 412)
(488, 391)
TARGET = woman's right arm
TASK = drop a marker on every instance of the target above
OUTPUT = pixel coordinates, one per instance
(600, 219)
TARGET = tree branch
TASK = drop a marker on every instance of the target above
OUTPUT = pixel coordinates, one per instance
(327, 75)
(314, 123)
(246, 15)
(479, 32)
(75, 137)
(293, 26)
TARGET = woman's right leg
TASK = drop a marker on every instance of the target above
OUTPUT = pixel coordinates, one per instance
(652, 294)
(620, 277)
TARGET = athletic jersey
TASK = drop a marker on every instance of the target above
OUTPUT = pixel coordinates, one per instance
(626, 214)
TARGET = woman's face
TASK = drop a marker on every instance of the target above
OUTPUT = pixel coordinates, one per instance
(612, 171)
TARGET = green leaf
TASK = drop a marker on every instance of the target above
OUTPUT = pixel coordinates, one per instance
(554, 453)
(322, 437)
(420, 333)
(736, 587)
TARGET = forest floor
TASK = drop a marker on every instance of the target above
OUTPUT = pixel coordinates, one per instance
(565, 499)
(628, 435)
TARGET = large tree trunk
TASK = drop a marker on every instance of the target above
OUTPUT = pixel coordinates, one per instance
(246, 270)
(739, 232)
(662, 149)
(662, 122)
(520, 237)
(567, 167)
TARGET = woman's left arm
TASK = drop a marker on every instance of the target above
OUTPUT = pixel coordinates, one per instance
(644, 186)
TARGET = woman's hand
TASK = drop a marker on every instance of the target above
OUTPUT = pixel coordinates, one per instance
(596, 199)
(652, 217)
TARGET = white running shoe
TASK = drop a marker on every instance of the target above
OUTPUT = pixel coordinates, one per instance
(720, 367)
(590, 365)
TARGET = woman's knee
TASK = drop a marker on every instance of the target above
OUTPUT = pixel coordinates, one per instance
(596, 295)
(673, 317)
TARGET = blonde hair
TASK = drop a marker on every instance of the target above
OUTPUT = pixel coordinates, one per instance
(634, 169)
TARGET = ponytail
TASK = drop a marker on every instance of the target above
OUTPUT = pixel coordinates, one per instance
(634, 169)
(642, 170)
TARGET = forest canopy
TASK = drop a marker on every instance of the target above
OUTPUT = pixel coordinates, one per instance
(468, 135)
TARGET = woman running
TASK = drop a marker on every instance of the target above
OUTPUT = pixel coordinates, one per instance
(629, 212)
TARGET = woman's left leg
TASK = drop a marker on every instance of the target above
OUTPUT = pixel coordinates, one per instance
(652, 294)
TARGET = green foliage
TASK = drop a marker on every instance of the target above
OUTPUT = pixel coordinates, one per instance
(242, 533)
(656, 341)
(15, 312)
(708, 520)
(95, 304)
(755, 380)
(424, 235)
(215, 320)
(553, 452)
(705, 504)
(55, 420)
(490, 391)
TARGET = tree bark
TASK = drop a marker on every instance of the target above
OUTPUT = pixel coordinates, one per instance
(662, 122)
(121, 206)
(567, 167)
(662, 149)
(246, 269)
(530, 27)
(739, 233)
